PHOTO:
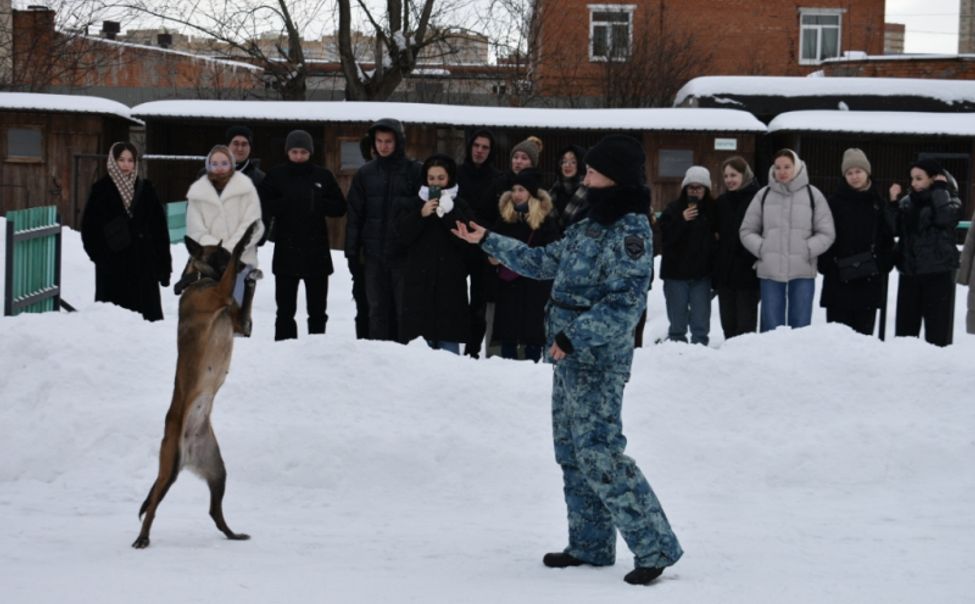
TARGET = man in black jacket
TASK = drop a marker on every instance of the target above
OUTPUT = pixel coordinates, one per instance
(298, 196)
(370, 236)
(476, 178)
(240, 140)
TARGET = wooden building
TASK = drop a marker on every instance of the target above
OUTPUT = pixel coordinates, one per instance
(674, 138)
(53, 149)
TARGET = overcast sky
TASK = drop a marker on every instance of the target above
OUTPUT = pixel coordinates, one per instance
(932, 25)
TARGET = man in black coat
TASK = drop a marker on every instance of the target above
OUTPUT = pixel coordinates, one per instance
(476, 178)
(370, 237)
(297, 196)
(240, 140)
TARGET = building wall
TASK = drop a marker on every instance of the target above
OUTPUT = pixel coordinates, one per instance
(893, 38)
(966, 27)
(64, 172)
(942, 68)
(735, 37)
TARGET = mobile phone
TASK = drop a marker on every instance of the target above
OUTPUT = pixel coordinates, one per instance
(434, 192)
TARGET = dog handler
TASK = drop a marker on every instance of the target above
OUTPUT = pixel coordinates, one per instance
(602, 270)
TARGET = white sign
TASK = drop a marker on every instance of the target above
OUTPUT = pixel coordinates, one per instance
(726, 144)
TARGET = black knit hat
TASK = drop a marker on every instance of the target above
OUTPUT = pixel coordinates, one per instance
(620, 158)
(444, 161)
(299, 139)
(529, 178)
(930, 167)
(239, 131)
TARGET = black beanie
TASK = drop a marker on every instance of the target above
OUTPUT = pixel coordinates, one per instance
(444, 161)
(620, 158)
(239, 131)
(529, 178)
(299, 139)
(930, 167)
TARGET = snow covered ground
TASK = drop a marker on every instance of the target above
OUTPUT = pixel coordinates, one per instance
(799, 466)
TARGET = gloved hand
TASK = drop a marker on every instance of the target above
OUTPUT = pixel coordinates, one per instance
(446, 204)
(164, 281)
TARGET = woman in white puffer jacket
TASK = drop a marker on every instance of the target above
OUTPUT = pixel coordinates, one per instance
(221, 205)
(787, 226)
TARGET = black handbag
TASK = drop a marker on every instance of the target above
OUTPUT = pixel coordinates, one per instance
(858, 266)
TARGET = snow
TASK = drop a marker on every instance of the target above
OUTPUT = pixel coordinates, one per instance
(948, 91)
(667, 119)
(802, 466)
(67, 103)
(876, 122)
(181, 53)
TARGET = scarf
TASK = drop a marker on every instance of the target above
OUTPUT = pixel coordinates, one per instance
(125, 183)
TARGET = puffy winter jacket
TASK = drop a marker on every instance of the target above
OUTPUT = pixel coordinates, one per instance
(925, 222)
(785, 232)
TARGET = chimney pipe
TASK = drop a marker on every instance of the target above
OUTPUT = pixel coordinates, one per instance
(164, 40)
(110, 29)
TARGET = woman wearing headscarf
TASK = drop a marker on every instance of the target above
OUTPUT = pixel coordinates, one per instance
(222, 204)
(124, 232)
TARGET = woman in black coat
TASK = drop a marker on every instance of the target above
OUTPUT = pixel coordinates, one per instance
(734, 275)
(568, 193)
(124, 232)
(298, 196)
(527, 214)
(435, 278)
(927, 255)
(858, 213)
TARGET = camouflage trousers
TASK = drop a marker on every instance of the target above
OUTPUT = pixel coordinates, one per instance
(604, 489)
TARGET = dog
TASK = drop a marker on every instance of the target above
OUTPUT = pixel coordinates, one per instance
(208, 317)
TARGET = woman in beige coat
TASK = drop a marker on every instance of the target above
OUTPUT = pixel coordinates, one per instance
(787, 226)
(221, 205)
(966, 275)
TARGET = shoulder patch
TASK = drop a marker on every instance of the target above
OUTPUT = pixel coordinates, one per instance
(635, 247)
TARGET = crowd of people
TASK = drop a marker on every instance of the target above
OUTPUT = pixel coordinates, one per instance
(758, 249)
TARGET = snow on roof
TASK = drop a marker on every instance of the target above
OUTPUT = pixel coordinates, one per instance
(668, 119)
(169, 51)
(876, 122)
(66, 103)
(949, 91)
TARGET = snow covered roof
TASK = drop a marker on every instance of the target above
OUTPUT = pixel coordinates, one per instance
(229, 63)
(876, 122)
(66, 103)
(668, 119)
(948, 91)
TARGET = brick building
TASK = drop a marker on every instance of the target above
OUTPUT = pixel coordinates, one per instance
(941, 67)
(579, 41)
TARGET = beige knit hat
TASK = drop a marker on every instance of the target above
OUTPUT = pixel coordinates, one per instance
(855, 158)
(531, 146)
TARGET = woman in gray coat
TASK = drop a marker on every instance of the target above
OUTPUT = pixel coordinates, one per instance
(787, 226)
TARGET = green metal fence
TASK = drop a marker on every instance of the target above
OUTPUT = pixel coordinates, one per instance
(176, 220)
(32, 274)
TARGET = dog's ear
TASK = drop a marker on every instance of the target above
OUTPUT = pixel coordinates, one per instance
(239, 248)
(194, 248)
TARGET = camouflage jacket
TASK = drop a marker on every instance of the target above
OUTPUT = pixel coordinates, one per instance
(601, 275)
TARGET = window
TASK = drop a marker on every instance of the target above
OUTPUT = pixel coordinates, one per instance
(819, 35)
(25, 144)
(351, 155)
(610, 31)
(673, 163)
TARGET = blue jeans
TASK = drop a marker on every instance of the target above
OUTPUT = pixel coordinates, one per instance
(688, 302)
(453, 347)
(798, 293)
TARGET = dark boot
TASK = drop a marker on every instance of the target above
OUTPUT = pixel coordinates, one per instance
(245, 308)
(561, 560)
(642, 576)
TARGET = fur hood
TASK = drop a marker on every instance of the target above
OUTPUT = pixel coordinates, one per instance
(539, 208)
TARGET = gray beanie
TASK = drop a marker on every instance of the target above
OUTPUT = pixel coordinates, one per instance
(855, 158)
(531, 146)
(697, 175)
(299, 139)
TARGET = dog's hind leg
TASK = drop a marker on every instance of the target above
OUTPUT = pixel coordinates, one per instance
(168, 471)
(214, 472)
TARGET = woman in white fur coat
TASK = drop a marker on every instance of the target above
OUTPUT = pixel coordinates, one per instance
(221, 205)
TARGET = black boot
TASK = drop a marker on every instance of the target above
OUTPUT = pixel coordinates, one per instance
(245, 308)
(561, 560)
(642, 576)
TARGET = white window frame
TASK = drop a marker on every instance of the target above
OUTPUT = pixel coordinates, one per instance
(629, 9)
(818, 29)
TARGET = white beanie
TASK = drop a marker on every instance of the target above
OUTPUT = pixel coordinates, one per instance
(697, 175)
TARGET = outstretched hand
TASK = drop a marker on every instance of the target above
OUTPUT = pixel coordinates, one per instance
(475, 234)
